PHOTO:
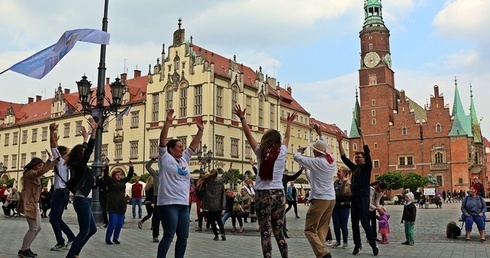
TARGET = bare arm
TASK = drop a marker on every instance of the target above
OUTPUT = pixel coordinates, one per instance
(339, 136)
(166, 125)
(197, 138)
(248, 133)
(364, 143)
(53, 138)
(290, 119)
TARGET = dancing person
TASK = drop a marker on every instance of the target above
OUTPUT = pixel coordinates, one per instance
(322, 194)
(102, 185)
(84, 182)
(59, 199)
(29, 202)
(285, 179)
(214, 199)
(360, 188)
(229, 200)
(341, 210)
(173, 192)
(149, 192)
(155, 220)
(383, 225)
(116, 202)
(292, 199)
(269, 191)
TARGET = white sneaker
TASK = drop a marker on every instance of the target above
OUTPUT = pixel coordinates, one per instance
(331, 243)
(344, 245)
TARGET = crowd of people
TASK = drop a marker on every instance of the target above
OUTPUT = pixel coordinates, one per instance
(171, 191)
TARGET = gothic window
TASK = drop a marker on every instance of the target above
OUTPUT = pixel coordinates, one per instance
(170, 98)
(220, 147)
(154, 147)
(198, 100)
(439, 180)
(373, 102)
(375, 145)
(119, 124)
(373, 112)
(118, 151)
(248, 115)
(135, 119)
(373, 121)
(183, 102)
(133, 151)
(234, 99)
(404, 131)
(219, 101)
(78, 128)
(438, 128)
(261, 110)
(234, 147)
(248, 150)
(104, 149)
(273, 117)
(34, 135)
(154, 107)
(354, 146)
(477, 161)
(438, 158)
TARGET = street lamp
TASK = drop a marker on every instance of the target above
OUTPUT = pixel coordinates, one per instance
(206, 159)
(84, 94)
(3, 169)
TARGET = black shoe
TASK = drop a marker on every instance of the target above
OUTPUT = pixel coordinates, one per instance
(297, 216)
(286, 235)
(155, 239)
(117, 242)
(216, 238)
(357, 248)
(108, 242)
(406, 243)
(375, 250)
(25, 254)
(328, 255)
(32, 252)
(223, 237)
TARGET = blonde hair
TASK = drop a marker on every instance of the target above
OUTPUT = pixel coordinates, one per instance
(149, 183)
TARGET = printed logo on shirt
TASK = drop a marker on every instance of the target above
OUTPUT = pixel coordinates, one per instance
(182, 171)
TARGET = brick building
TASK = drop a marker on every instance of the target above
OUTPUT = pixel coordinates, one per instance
(403, 135)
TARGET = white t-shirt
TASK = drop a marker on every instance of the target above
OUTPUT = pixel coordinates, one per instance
(62, 170)
(174, 177)
(279, 164)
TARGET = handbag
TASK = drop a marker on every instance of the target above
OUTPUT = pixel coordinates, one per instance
(237, 207)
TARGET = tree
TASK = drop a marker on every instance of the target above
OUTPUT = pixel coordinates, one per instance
(414, 181)
(301, 181)
(8, 182)
(394, 179)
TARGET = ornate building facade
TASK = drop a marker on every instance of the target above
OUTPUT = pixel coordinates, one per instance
(404, 136)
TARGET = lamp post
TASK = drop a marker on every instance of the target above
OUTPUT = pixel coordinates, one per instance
(205, 157)
(3, 169)
(98, 111)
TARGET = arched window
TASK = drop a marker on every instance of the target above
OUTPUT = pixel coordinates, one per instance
(438, 128)
(438, 158)
(404, 131)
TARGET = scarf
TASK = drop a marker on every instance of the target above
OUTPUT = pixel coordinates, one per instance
(267, 165)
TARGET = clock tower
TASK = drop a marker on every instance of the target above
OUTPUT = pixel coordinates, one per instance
(376, 79)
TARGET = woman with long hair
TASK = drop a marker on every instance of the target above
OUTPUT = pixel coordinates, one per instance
(269, 191)
(173, 190)
(29, 201)
(116, 203)
(214, 200)
(84, 182)
(149, 191)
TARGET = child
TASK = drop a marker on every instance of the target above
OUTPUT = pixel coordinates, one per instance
(409, 214)
(383, 225)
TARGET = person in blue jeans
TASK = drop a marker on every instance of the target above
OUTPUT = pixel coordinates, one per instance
(136, 197)
(173, 192)
(341, 210)
(83, 182)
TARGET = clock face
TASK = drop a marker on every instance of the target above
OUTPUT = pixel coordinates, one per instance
(371, 59)
(387, 60)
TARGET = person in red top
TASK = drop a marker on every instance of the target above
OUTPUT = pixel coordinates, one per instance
(136, 199)
(3, 196)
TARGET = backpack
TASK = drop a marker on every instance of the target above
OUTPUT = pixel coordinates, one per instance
(72, 184)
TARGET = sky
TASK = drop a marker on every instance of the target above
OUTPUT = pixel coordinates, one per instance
(311, 45)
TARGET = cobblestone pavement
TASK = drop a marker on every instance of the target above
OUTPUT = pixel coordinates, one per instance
(430, 240)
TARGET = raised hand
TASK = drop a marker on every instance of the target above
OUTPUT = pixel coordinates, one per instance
(317, 129)
(53, 127)
(49, 154)
(200, 125)
(237, 110)
(292, 116)
(130, 164)
(170, 115)
(339, 136)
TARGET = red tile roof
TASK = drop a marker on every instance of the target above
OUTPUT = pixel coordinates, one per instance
(327, 128)
(486, 142)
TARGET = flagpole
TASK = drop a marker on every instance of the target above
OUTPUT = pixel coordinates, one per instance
(97, 164)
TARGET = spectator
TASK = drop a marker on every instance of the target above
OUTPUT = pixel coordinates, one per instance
(377, 191)
(11, 201)
(477, 181)
(408, 218)
(102, 185)
(240, 209)
(136, 197)
(292, 199)
(341, 210)
(3, 193)
(45, 202)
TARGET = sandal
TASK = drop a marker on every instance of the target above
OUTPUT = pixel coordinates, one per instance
(482, 240)
(233, 230)
(467, 239)
(241, 230)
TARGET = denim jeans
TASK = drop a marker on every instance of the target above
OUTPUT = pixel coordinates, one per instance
(136, 202)
(225, 217)
(176, 218)
(340, 217)
(116, 221)
(86, 224)
(59, 200)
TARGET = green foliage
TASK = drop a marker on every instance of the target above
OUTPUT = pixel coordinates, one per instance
(8, 182)
(301, 181)
(144, 177)
(414, 181)
(237, 177)
(394, 179)
(45, 180)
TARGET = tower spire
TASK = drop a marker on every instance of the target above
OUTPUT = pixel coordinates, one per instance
(461, 123)
(373, 15)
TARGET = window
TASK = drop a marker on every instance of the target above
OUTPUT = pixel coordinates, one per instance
(438, 158)
(7, 138)
(409, 160)
(66, 131)
(234, 100)
(170, 98)
(248, 150)
(6, 160)
(104, 150)
(460, 180)
(44, 134)
(14, 161)
(154, 147)
(376, 163)
(118, 151)
(261, 110)
(354, 146)
(306, 135)
(248, 115)
(373, 121)
(135, 119)
(234, 147)
(78, 128)
(219, 101)
(154, 107)
(183, 139)
(33, 154)
(183, 102)
(438, 128)
(405, 160)
(439, 180)
(402, 161)
(198, 100)
(119, 124)
(133, 151)
(299, 133)
(373, 112)
(220, 145)
(375, 145)
(34, 135)
(43, 155)
(404, 131)
(373, 102)
(273, 117)
(16, 138)
(24, 136)
(23, 158)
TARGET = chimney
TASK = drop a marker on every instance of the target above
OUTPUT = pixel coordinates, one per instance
(290, 90)
(107, 80)
(38, 98)
(67, 91)
(137, 73)
(123, 77)
(30, 100)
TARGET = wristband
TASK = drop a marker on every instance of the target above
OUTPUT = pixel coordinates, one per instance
(242, 118)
